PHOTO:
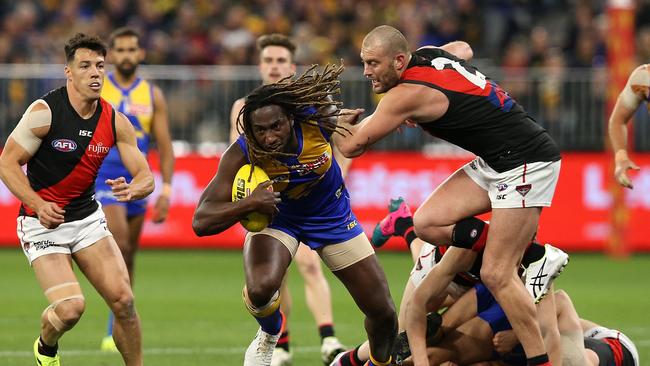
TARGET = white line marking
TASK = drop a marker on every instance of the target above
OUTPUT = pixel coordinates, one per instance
(159, 351)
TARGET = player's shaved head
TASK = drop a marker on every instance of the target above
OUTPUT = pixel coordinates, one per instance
(389, 39)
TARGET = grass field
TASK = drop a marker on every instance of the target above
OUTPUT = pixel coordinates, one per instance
(191, 309)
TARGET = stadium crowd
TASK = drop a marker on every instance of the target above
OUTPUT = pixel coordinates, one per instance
(223, 32)
(509, 39)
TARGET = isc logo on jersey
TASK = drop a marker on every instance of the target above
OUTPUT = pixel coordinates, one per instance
(64, 145)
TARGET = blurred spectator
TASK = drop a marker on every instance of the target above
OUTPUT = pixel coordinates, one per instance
(222, 31)
(508, 38)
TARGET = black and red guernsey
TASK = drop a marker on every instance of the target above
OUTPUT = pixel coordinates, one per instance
(610, 351)
(481, 117)
(65, 166)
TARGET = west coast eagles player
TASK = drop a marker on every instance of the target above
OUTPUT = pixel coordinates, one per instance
(145, 106)
(286, 129)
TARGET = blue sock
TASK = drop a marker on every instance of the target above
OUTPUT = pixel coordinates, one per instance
(271, 324)
(109, 329)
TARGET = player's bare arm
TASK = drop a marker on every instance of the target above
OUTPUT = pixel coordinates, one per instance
(459, 49)
(411, 102)
(430, 295)
(636, 90)
(21, 145)
(216, 212)
(234, 113)
(160, 129)
(142, 184)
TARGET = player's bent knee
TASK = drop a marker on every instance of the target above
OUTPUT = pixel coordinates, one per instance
(427, 229)
(123, 306)
(261, 292)
(264, 309)
(383, 312)
(494, 278)
(64, 313)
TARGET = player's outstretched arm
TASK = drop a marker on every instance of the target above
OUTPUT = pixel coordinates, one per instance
(160, 129)
(635, 91)
(403, 104)
(391, 112)
(216, 212)
(142, 184)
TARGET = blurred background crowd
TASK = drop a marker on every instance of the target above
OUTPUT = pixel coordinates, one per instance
(510, 33)
(549, 54)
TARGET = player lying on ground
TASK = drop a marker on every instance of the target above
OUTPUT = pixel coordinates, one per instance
(465, 273)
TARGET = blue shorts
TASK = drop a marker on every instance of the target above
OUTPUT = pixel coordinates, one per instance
(104, 195)
(317, 232)
(489, 310)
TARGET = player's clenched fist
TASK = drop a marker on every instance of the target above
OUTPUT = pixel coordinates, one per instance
(50, 215)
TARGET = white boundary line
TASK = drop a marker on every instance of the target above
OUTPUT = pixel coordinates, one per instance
(188, 351)
(159, 351)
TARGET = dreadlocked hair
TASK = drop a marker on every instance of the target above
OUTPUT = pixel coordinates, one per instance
(306, 98)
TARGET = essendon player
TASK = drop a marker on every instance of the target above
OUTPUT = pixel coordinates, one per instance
(514, 174)
(63, 138)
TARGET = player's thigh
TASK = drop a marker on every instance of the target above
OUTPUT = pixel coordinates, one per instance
(511, 230)
(53, 270)
(354, 263)
(117, 223)
(308, 263)
(267, 255)
(456, 198)
(104, 267)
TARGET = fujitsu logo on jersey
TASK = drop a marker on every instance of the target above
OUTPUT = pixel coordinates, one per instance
(64, 145)
(98, 149)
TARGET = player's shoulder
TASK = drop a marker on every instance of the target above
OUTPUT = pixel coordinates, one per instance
(642, 70)
(431, 52)
(238, 104)
(39, 105)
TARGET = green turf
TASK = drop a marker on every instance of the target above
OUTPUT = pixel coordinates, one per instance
(192, 313)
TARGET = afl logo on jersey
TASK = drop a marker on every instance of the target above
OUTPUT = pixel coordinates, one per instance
(64, 145)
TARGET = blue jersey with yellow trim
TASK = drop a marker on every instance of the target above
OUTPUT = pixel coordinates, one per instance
(315, 206)
(136, 102)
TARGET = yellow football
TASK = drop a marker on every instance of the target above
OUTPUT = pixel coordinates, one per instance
(244, 184)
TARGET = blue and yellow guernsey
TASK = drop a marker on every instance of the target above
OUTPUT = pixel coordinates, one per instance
(315, 207)
(136, 102)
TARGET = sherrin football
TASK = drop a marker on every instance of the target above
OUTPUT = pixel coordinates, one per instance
(242, 187)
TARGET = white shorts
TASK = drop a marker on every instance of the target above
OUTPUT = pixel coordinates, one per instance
(602, 332)
(528, 185)
(425, 263)
(67, 238)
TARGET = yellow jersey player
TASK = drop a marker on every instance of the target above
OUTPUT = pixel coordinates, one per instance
(276, 53)
(146, 108)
